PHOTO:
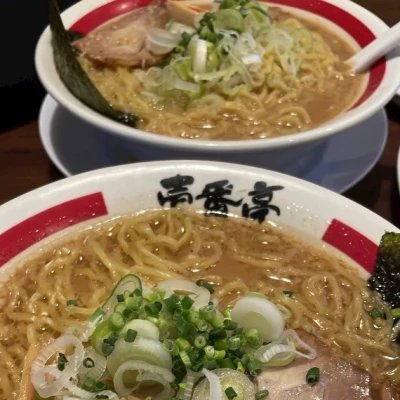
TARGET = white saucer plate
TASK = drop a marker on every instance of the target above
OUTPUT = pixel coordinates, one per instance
(75, 147)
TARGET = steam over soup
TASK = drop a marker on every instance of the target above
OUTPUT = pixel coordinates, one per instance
(189, 304)
(233, 70)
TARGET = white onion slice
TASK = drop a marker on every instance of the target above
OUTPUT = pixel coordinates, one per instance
(254, 311)
(161, 41)
(312, 353)
(38, 371)
(201, 295)
(251, 59)
(186, 86)
(145, 371)
(215, 385)
(97, 370)
(200, 55)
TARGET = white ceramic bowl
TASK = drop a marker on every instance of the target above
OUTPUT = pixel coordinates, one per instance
(286, 153)
(33, 219)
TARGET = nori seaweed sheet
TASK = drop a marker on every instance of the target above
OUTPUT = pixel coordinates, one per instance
(73, 75)
(386, 276)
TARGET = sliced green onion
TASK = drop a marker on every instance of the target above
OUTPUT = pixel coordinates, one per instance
(204, 283)
(112, 338)
(130, 335)
(88, 384)
(130, 314)
(117, 320)
(230, 325)
(61, 361)
(120, 298)
(119, 308)
(288, 293)
(227, 312)
(217, 333)
(187, 302)
(100, 386)
(312, 375)
(395, 312)
(262, 394)
(197, 367)
(234, 343)
(72, 302)
(375, 313)
(200, 342)
(183, 344)
(240, 367)
(227, 363)
(184, 327)
(107, 348)
(254, 367)
(172, 303)
(208, 312)
(185, 358)
(88, 362)
(138, 292)
(157, 295)
(135, 303)
(202, 326)
(219, 354)
(221, 344)
(211, 364)
(253, 338)
(230, 393)
(209, 352)
(153, 320)
(171, 347)
(153, 309)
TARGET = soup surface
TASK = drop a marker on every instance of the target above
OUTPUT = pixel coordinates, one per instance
(279, 75)
(324, 295)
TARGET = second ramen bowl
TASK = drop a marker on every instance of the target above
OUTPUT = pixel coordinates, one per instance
(286, 153)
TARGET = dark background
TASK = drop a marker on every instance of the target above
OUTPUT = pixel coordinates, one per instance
(21, 24)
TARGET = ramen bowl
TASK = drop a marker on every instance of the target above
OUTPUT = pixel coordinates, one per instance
(34, 222)
(347, 20)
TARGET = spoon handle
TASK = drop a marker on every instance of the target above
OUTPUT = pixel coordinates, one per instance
(376, 49)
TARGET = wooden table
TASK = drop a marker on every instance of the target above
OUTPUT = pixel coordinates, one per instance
(24, 164)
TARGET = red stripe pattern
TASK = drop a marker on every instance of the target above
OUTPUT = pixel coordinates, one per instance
(352, 243)
(32, 230)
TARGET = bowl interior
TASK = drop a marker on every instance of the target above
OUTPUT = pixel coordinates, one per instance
(31, 221)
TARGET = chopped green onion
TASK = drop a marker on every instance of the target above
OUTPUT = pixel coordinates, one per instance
(61, 361)
(219, 354)
(153, 309)
(185, 358)
(88, 384)
(88, 362)
(211, 364)
(197, 367)
(184, 327)
(200, 342)
(202, 325)
(210, 352)
(100, 386)
(217, 333)
(227, 363)
(204, 283)
(187, 302)
(130, 314)
(112, 338)
(178, 369)
(171, 347)
(254, 367)
(183, 344)
(245, 359)
(227, 312)
(107, 348)
(253, 338)
(262, 394)
(375, 313)
(288, 293)
(208, 312)
(153, 320)
(312, 375)
(221, 344)
(234, 343)
(102, 396)
(120, 298)
(137, 293)
(117, 320)
(119, 308)
(130, 335)
(240, 367)
(72, 302)
(395, 313)
(172, 303)
(230, 325)
(230, 393)
(157, 295)
(135, 303)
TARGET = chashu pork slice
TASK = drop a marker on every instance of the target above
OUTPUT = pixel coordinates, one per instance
(339, 380)
(122, 40)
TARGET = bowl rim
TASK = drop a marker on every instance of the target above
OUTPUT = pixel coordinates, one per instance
(62, 95)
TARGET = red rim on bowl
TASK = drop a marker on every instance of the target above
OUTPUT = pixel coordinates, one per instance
(350, 24)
